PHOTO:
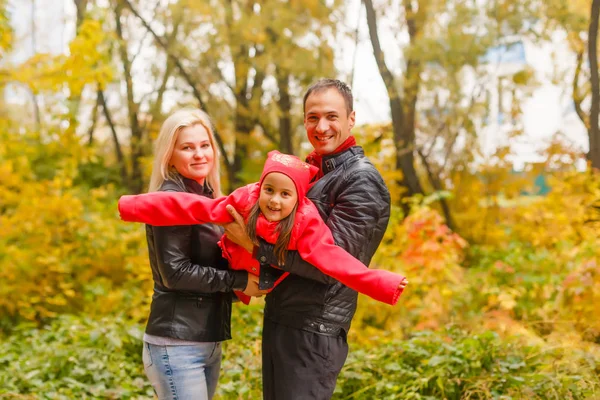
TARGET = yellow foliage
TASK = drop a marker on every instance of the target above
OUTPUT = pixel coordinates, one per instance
(6, 31)
(88, 62)
(63, 249)
(580, 296)
(561, 215)
(378, 144)
(89, 59)
(429, 255)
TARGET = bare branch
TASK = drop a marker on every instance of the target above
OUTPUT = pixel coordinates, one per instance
(577, 99)
(113, 131)
(94, 120)
(594, 130)
(386, 74)
(139, 50)
(184, 73)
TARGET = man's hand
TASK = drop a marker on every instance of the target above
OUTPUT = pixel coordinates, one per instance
(236, 230)
(252, 287)
(403, 284)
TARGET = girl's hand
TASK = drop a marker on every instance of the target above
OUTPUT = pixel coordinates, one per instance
(403, 284)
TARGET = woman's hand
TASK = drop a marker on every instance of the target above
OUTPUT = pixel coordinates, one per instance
(236, 230)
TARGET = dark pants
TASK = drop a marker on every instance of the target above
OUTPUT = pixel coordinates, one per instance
(300, 365)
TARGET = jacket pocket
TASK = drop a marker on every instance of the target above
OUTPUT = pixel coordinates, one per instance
(147, 355)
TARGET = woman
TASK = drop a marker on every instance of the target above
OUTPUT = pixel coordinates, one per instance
(190, 313)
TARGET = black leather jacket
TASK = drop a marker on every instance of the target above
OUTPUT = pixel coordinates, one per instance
(354, 202)
(192, 283)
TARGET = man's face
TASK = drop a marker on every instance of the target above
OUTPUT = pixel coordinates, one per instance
(326, 120)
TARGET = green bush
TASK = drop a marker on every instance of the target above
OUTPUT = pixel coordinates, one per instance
(74, 358)
(79, 358)
(453, 364)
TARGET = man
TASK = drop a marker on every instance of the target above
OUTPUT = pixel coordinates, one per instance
(308, 315)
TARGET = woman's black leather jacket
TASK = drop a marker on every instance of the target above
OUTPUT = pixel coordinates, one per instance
(192, 282)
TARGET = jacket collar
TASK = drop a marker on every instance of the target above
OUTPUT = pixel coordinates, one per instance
(192, 186)
(331, 162)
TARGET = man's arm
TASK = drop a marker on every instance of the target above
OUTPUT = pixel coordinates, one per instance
(360, 207)
(357, 221)
(294, 264)
(236, 232)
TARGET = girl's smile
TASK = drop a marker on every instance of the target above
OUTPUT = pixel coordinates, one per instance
(278, 196)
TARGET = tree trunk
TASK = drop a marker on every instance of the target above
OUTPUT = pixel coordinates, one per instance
(405, 159)
(94, 118)
(113, 131)
(190, 81)
(136, 182)
(402, 125)
(74, 99)
(437, 186)
(286, 144)
(411, 90)
(80, 5)
(594, 131)
(243, 126)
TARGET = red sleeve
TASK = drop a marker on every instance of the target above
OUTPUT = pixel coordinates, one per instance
(316, 246)
(177, 208)
(238, 257)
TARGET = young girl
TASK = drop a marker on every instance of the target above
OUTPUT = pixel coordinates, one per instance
(277, 210)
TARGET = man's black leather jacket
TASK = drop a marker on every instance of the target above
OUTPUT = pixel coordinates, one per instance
(354, 202)
(192, 283)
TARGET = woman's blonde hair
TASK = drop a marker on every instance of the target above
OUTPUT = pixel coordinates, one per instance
(165, 143)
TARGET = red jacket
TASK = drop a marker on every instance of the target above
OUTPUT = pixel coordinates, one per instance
(310, 236)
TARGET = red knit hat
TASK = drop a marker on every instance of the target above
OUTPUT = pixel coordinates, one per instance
(297, 170)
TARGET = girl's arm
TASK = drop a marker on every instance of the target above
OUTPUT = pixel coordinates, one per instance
(316, 246)
(177, 208)
(357, 226)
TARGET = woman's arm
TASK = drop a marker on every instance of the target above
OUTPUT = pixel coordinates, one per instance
(172, 247)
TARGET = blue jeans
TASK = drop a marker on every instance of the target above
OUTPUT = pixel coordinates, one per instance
(183, 372)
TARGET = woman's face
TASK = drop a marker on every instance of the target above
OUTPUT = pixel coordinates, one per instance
(278, 196)
(193, 156)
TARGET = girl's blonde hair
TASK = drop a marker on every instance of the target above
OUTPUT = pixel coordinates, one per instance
(165, 143)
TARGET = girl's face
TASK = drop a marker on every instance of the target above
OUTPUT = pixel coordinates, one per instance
(193, 156)
(278, 196)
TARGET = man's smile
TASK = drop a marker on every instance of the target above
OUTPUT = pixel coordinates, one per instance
(324, 138)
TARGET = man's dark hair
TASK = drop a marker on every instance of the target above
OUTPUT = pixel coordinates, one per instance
(324, 84)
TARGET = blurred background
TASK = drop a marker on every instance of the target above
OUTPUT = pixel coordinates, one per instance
(482, 116)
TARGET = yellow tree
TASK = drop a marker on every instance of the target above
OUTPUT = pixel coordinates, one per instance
(441, 45)
(245, 62)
